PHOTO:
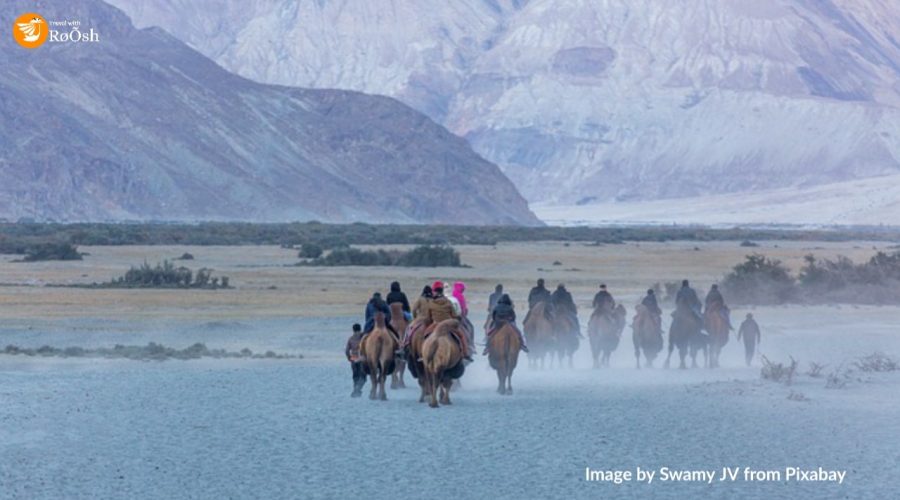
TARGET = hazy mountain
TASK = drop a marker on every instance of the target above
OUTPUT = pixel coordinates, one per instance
(597, 100)
(140, 126)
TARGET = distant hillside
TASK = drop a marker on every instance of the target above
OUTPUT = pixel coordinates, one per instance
(589, 101)
(141, 127)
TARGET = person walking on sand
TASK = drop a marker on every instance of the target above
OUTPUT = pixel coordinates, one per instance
(752, 336)
(351, 350)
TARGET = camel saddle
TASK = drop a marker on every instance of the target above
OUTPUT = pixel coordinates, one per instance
(455, 334)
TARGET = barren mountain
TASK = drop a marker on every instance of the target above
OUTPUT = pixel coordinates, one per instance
(140, 126)
(597, 100)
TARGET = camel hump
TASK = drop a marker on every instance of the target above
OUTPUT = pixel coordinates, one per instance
(396, 310)
(448, 326)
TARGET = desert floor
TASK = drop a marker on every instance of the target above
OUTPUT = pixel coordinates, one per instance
(86, 428)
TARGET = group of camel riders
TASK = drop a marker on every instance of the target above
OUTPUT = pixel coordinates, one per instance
(430, 308)
(434, 306)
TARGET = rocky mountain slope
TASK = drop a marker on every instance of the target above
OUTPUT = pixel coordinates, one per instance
(140, 126)
(597, 100)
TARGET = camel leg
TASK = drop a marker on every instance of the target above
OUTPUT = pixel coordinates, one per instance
(373, 392)
(433, 385)
(398, 373)
(682, 353)
(501, 376)
(671, 348)
(383, 381)
(445, 395)
(509, 383)
(637, 359)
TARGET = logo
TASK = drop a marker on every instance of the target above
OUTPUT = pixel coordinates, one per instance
(30, 30)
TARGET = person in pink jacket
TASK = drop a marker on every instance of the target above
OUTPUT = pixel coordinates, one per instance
(458, 288)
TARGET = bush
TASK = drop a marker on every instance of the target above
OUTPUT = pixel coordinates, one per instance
(877, 362)
(749, 244)
(778, 372)
(422, 256)
(52, 251)
(759, 280)
(166, 275)
(429, 256)
(186, 256)
(310, 251)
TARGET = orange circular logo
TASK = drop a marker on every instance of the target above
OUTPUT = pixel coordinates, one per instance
(30, 30)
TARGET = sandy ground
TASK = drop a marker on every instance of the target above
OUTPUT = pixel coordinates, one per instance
(76, 428)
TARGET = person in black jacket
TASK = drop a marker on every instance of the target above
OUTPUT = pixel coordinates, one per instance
(395, 295)
(564, 305)
(604, 300)
(504, 312)
(686, 300)
(750, 332)
(537, 295)
(652, 306)
(650, 303)
(375, 304)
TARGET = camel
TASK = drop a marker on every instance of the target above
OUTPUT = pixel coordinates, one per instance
(685, 333)
(604, 332)
(567, 337)
(442, 358)
(379, 347)
(717, 326)
(414, 356)
(646, 336)
(398, 321)
(540, 335)
(503, 354)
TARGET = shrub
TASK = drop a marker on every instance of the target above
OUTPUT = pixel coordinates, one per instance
(422, 256)
(759, 280)
(310, 251)
(52, 251)
(186, 256)
(749, 244)
(778, 372)
(429, 256)
(166, 275)
(877, 362)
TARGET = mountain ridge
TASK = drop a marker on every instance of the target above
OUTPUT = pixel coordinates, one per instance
(140, 127)
(606, 100)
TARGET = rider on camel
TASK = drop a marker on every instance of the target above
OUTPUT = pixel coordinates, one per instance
(395, 295)
(494, 298)
(604, 300)
(565, 305)
(537, 295)
(504, 312)
(715, 302)
(649, 302)
(375, 305)
(686, 300)
(441, 309)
